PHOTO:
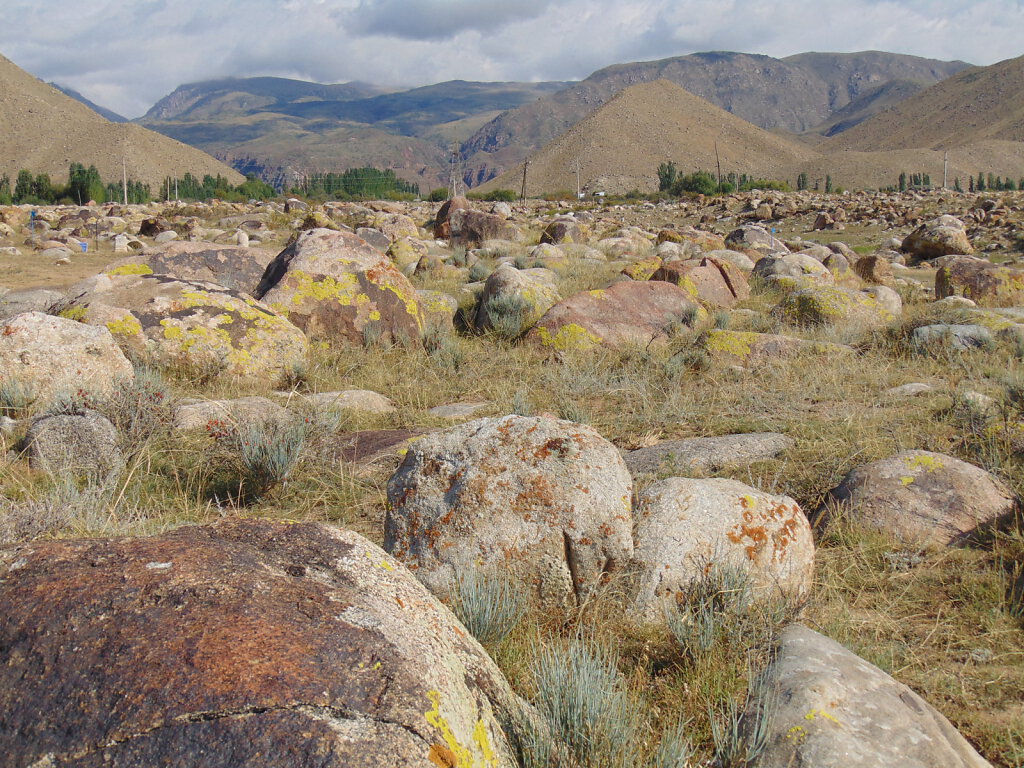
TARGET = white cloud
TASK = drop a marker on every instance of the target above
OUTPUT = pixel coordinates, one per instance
(126, 54)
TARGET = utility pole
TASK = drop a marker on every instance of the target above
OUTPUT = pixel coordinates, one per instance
(124, 178)
(578, 177)
(719, 163)
(526, 165)
(454, 173)
(945, 169)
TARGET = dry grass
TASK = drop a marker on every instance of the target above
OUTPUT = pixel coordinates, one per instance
(943, 624)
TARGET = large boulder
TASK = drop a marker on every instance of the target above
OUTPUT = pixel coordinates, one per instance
(442, 222)
(985, 283)
(831, 305)
(34, 300)
(712, 282)
(684, 526)
(527, 294)
(829, 708)
(792, 271)
(474, 228)
(564, 229)
(232, 266)
(921, 498)
(333, 285)
(943, 236)
(249, 642)
(752, 237)
(52, 355)
(544, 500)
(74, 444)
(196, 326)
(624, 314)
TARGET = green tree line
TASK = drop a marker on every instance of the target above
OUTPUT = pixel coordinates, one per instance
(357, 184)
(706, 183)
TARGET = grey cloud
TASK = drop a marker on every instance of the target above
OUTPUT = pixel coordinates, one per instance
(437, 19)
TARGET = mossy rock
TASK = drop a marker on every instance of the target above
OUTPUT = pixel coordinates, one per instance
(831, 305)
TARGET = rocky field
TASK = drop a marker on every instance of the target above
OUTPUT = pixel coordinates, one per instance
(730, 481)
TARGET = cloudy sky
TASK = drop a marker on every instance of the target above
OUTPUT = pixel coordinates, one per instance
(126, 54)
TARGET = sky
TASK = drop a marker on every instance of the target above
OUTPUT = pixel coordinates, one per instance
(127, 54)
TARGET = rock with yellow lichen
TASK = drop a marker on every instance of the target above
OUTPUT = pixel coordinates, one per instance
(190, 325)
(686, 526)
(983, 282)
(335, 286)
(713, 282)
(248, 642)
(920, 498)
(746, 347)
(831, 305)
(829, 708)
(527, 294)
(624, 314)
(543, 500)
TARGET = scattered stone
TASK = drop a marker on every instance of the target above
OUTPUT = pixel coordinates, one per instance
(831, 305)
(712, 282)
(747, 348)
(684, 526)
(940, 237)
(934, 339)
(243, 410)
(908, 390)
(984, 283)
(458, 410)
(921, 498)
(706, 454)
(751, 237)
(334, 285)
(249, 642)
(231, 266)
(516, 296)
(35, 300)
(832, 709)
(75, 445)
(362, 400)
(624, 314)
(53, 355)
(544, 500)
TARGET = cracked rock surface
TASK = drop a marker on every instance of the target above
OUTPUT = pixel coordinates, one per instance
(249, 643)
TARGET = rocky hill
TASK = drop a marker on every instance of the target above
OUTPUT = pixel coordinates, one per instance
(284, 128)
(108, 114)
(44, 131)
(979, 104)
(621, 144)
(795, 94)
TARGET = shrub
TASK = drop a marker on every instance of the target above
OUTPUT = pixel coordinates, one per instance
(15, 397)
(507, 314)
(140, 408)
(741, 733)
(266, 451)
(714, 608)
(488, 604)
(585, 707)
(479, 272)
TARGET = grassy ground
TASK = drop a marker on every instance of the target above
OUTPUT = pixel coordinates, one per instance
(942, 622)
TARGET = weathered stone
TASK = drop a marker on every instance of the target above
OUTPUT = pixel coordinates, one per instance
(756, 238)
(746, 347)
(735, 258)
(52, 355)
(154, 226)
(702, 240)
(624, 314)
(531, 292)
(874, 269)
(333, 285)
(706, 454)
(439, 309)
(712, 282)
(458, 410)
(442, 222)
(983, 282)
(792, 271)
(363, 400)
(474, 228)
(547, 501)
(236, 268)
(940, 237)
(249, 642)
(683, 526)
(83, 444)
(832, 709)
(35, 300)
(229, 413)
(941, 337)
(200, 326)
(829, 305)
(564, 229)
(922, 498)
(394, 226)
